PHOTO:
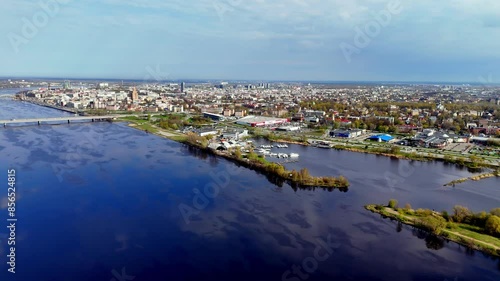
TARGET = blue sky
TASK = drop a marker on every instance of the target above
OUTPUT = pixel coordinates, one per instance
(425, 40)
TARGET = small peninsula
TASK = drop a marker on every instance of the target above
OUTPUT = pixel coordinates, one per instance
(480, 231)
(248, 159)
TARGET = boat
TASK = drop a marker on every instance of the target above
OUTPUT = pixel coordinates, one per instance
(294, 155)
(323, 145)
(263, 152)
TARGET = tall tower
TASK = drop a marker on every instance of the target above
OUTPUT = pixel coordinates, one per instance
(135, 95)
(183, 87)
(67, 85)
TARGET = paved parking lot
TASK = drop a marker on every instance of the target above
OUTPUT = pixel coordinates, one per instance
(458, 147)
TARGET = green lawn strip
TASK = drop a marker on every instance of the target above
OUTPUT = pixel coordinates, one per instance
(454, 234)
(468, 230)
(147, 127)
(178, 138)
(133, 118)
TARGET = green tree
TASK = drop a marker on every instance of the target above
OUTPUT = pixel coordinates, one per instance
(493, 225)
(197, 140)
(393, 204)
(433, 224)
(448, 159)
(304, 174)
(475, 160)
(495, 212)
(479, 219)
(445, 215)
(423, 212)
(395, 149)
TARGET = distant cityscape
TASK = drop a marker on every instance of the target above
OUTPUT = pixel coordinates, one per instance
(432, 115)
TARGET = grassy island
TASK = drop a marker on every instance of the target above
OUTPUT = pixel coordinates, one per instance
(256, 162)
(480, 231)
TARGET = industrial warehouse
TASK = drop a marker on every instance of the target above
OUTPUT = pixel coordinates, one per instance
(261, 121)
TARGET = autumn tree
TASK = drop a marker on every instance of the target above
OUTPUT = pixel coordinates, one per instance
(393, 204)
(461, 214)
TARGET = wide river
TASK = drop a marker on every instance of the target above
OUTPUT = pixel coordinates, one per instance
(105, 202)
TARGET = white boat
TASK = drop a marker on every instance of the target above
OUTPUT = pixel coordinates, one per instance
(294, 155)
(263, 152)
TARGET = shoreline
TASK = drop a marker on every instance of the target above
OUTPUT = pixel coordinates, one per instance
(445, 233)
(431, 156)
(268, 169)
(475, 178)
(182, 139)
(402, 156)
(63, 109)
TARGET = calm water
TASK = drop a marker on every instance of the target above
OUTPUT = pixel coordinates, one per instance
(10, 109)
(103, 202)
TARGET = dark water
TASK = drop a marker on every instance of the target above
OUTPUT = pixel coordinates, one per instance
(103, 202)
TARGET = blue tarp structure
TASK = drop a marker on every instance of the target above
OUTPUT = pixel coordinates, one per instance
(380, 138)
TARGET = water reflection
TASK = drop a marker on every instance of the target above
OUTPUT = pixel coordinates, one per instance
(119, 208)
(272, 178)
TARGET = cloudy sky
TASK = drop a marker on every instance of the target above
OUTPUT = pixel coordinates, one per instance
(334, 40)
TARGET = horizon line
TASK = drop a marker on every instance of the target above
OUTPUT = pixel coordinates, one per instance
(255, 80)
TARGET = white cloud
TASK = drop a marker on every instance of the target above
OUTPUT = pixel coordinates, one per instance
(426, 29)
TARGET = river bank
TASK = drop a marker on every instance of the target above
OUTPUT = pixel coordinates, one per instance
(392, 152)
(275, 172)
(386, 152)
(441, 225)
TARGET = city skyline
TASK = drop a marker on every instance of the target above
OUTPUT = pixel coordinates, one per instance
(369, 40)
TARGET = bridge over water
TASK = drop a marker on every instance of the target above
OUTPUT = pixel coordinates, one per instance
(62, 120)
